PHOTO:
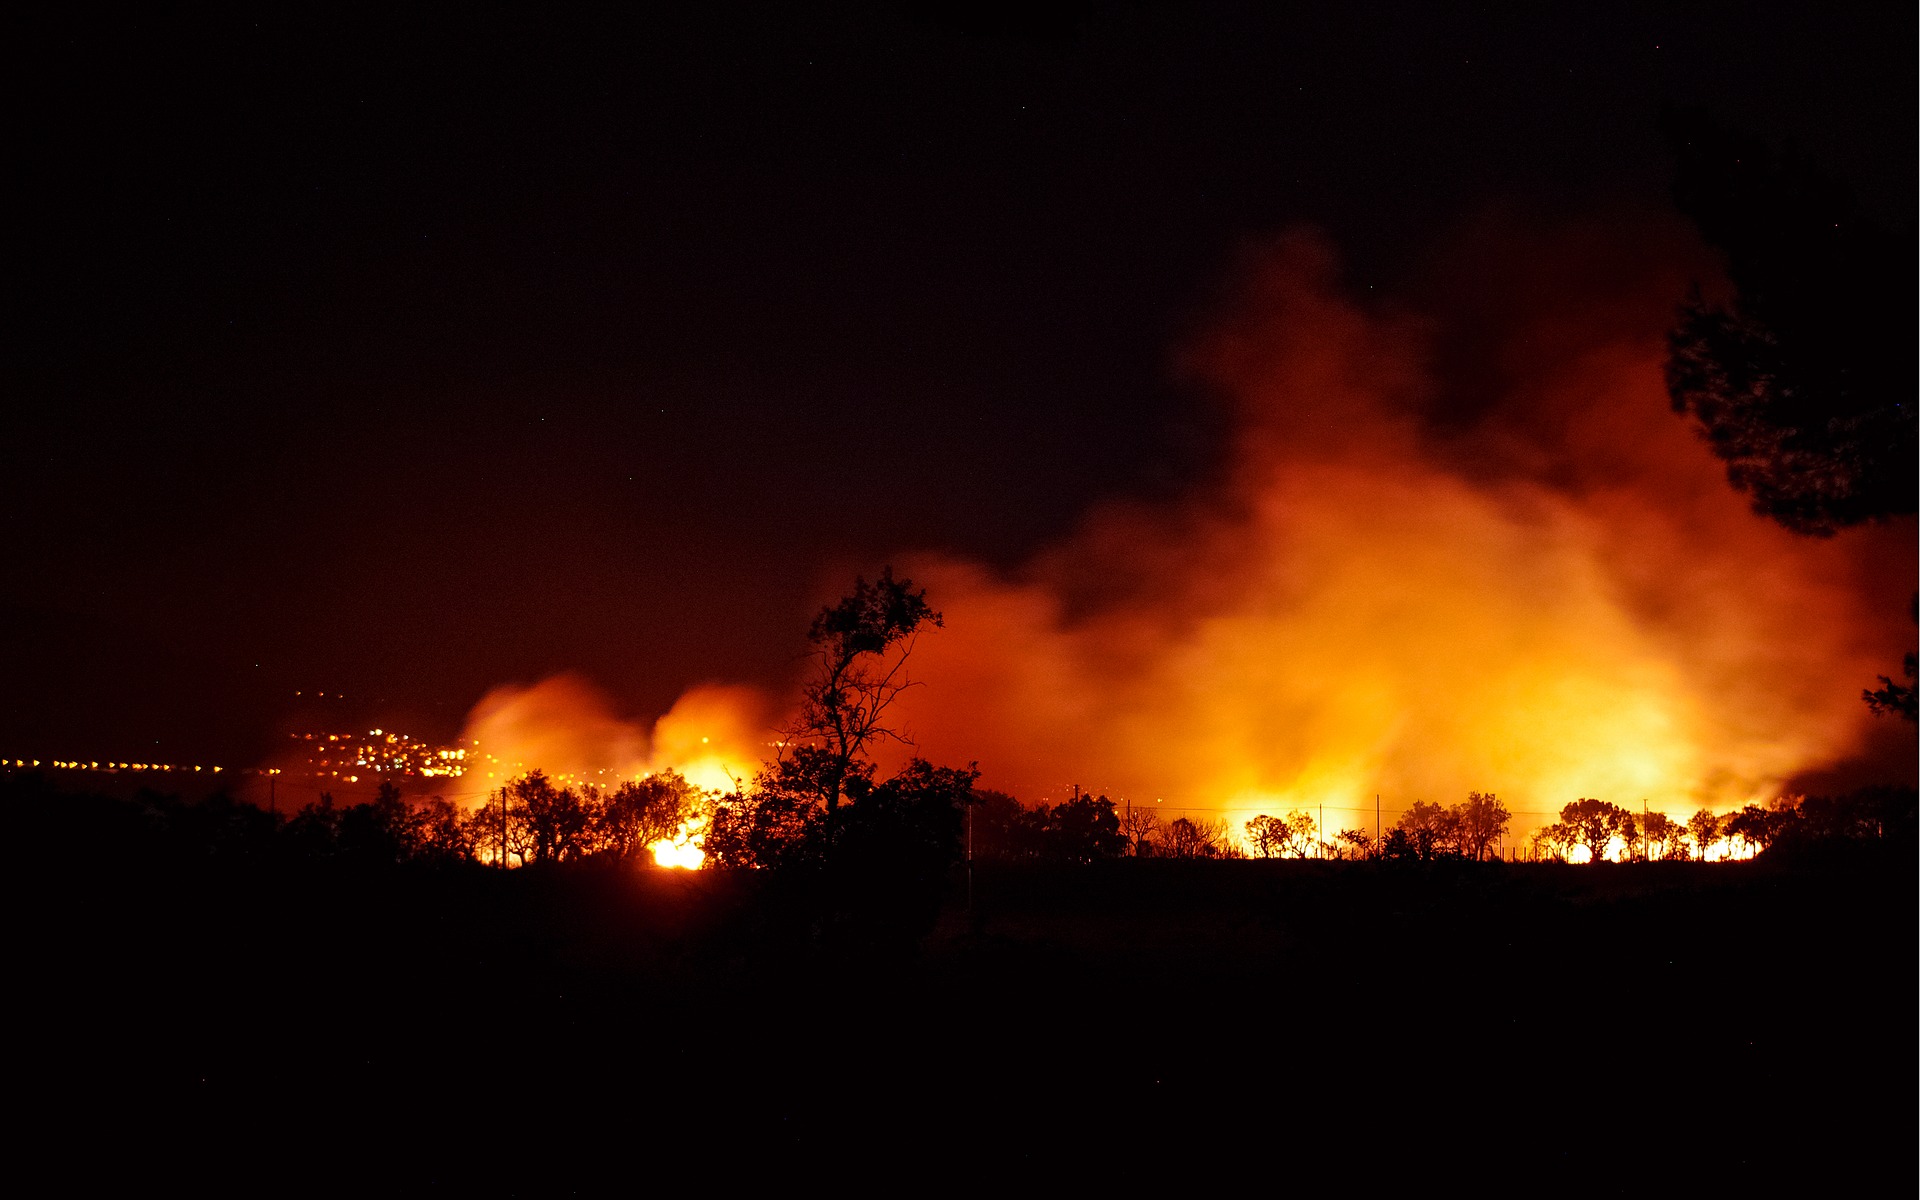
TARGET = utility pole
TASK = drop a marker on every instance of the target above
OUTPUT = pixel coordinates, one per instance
(1323, 829)
(971, 805)
(1376, 824)
(503, 829)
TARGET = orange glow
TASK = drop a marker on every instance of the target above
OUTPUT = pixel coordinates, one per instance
(562, 725)
(1561, 598)
(566, 727)
(682, 850)
(713, 736)
(1725, 850)
(1555, 596)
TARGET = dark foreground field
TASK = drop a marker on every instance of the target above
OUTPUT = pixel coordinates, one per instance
(1625, 1030)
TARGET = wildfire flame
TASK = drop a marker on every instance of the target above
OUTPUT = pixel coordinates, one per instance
(681, 850)
(713, 736)
(1559, 597)
(1549, 591)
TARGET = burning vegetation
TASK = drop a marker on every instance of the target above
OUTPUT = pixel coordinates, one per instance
(1550, 592)
(1386, 590)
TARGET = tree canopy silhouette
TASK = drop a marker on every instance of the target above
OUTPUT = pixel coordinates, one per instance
(1804, 382)
(1703, 830)
(860, 650)
(1594, 824)
(1482, 821)
(1187, 838)
(1660, 836)
(640, 812)
(1291, 836)
(1082, 829)
(1891, 697)
(879, 858)
(1428, 831)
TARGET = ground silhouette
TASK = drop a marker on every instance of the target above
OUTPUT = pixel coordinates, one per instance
(241, 1020)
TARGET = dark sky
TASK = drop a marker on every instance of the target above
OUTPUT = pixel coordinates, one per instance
(402, 356)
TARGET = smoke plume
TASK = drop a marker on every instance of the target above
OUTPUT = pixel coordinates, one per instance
(565, 726)
(1460, 544)
(1524, 577)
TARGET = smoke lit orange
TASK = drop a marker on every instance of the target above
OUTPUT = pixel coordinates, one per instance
(1562, 598)
(1556, 597)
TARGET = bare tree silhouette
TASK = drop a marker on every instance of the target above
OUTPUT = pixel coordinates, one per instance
(860, 651)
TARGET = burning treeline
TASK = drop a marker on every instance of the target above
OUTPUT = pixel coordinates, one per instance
(1537, 582)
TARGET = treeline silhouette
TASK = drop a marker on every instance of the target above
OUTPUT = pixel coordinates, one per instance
(1089, 828)
(362, 997)
(529, 821)
(917, 825)
(327, 992)
(1872, 814)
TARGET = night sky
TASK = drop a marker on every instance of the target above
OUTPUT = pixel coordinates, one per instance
(403, 356)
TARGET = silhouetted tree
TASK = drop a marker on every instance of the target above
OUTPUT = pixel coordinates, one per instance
(895, 843)
(1267, 835)
(1139, 825)
(640, 812)
(1003, 829)
(908, 828)
(558, 819)
(1703, 830)
(780, 821)
(437, 835)
(1356, 843)
(379, 831)
(1302, 834)
(1396, 846)
(1187, 838)
(880, 882)
(1083, 829)
(1479, 823)
(1804, 383)
(1891, 697)
(791, 815)
(1554, 842)
(314, 831)
(860, 650)
(1595, 823)
(1660, 835)
(1868, 814)
(1754, 827)
(758, 829)
(500, 830)
(1431, 830)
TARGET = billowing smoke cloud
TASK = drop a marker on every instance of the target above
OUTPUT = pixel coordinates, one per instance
(565, 726)
(1546, 590)
(1465, 548)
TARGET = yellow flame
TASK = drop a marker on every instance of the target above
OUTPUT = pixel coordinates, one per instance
(1563, 599)
(681, 851)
